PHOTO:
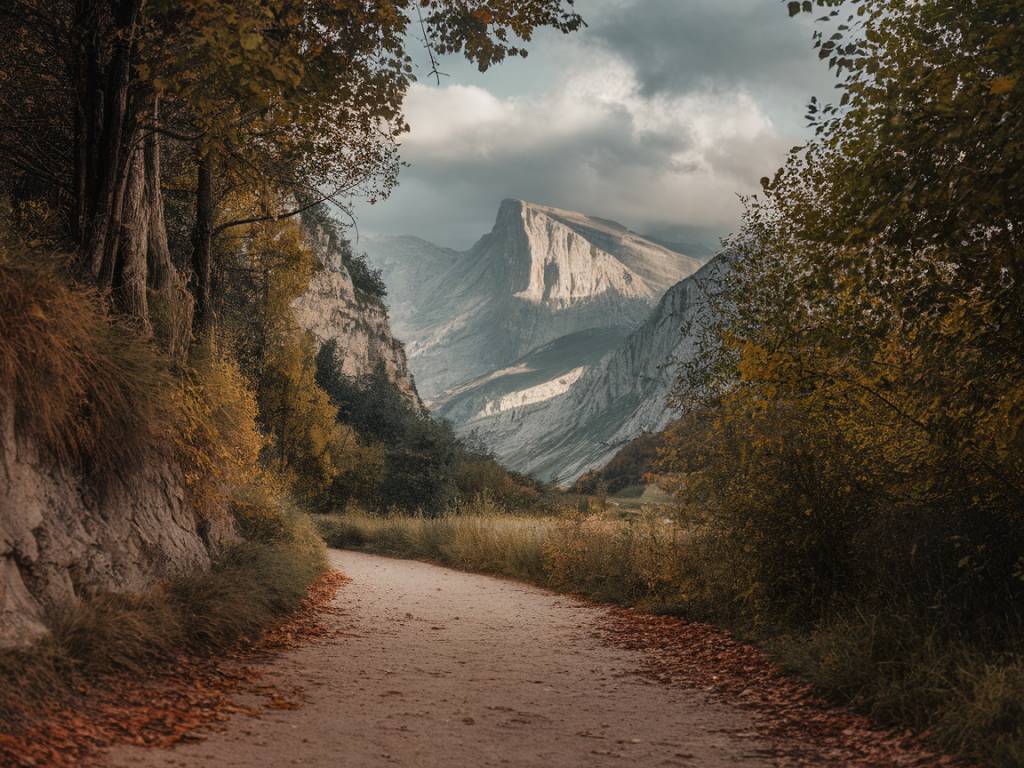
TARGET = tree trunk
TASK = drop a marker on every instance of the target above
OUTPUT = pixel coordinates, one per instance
(80, 75)
(130, 249)
(162, 272)
(202, 247)
(175, 302)
(107, 133)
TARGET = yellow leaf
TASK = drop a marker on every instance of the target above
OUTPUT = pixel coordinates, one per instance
(1002, 85)
(251, 41)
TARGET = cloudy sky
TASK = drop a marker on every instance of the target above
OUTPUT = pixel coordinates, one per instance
(657, 115)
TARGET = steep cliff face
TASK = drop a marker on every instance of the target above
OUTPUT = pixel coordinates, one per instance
(607, 405)
(62, 540)
(333, 310)
(541, 274)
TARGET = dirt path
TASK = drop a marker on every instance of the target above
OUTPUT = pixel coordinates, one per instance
(432, 667)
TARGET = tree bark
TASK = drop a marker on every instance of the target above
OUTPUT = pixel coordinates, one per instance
(107, 133)
(80, 76)
(202, 246)
(144, 272)
(130, 249)
(162, 272)
(166, 282)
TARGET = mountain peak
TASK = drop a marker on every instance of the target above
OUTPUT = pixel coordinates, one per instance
(540, 274)
(532, 254)
(648, 268)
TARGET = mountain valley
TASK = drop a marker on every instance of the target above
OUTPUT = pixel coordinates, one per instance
(548, 340)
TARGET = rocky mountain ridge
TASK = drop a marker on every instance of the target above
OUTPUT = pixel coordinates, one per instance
(540, 275)
(618, 398)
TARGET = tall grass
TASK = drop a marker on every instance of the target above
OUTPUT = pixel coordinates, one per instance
(894, 664)
(903, 669)
(607, 560)
(502, 545)
(91, 391)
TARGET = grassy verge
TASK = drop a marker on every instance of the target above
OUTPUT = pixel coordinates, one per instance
(249, 587)
(506, 546)
(896, 664)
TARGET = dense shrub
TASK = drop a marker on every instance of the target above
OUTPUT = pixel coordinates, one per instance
(857, 426)
(628, 468)
(418, 452)
(478, 474)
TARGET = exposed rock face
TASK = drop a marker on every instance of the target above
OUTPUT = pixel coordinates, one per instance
(541, 375)
(60, 540)
(541, 274)
(613, 401)
(332, 310)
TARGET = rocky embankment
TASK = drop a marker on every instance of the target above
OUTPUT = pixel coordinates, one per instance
(62, 537)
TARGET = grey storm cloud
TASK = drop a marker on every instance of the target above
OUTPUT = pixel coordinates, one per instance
(680, 45)
(658, 115)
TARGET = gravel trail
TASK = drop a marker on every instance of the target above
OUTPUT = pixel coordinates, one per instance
(433, 667)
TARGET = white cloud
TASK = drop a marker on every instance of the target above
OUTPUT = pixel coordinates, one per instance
(595, 141)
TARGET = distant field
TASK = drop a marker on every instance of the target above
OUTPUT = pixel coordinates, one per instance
(640, 497)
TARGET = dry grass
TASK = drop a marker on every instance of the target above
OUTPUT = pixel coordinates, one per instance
(488, 543)
(86, 387)
(628, 562)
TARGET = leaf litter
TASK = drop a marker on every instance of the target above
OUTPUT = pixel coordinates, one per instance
(801, 727)
(174, 703)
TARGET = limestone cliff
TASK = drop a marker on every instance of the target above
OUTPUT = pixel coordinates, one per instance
(61, 539)
(332, 309)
